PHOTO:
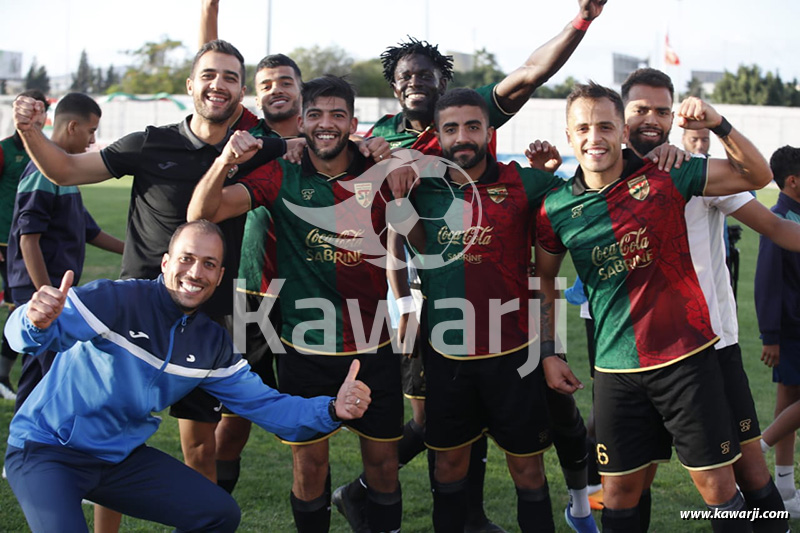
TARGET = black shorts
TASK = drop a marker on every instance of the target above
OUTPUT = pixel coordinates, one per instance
(640, 415)
(467, 398)
(309, 375)
(257, 350)
(737, 388)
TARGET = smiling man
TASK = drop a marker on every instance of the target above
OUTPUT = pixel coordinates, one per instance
(323, 258)
(657, 375)
(166, 163)
(128, 349)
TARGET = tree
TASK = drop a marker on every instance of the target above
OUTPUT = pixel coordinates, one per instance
(317, 61)
(694, 88)
(83, 80)
(559, 91)
(368, 78)
(484, 71)
(112, 78)
(749, 87)
(157, 68)
(37, 78)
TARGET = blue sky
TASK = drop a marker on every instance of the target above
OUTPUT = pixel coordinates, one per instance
(706, 34)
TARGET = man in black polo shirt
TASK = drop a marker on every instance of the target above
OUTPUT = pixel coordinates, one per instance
(166, 163)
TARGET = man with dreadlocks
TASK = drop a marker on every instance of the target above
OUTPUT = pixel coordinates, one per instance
(418, 73)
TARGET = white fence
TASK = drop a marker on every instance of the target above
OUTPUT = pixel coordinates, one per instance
(768, 127)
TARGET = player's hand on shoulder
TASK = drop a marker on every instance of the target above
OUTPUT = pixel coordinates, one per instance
(668, 156)
(543, 156)
(294, 150)
(696, 114)
(48, 302)
(354, 395)
(375, 147)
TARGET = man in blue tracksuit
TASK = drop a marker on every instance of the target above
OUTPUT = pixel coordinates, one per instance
(128, 349)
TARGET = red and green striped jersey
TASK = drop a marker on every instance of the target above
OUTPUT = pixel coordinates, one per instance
(629, 246)
(257, 263)
(394, 129)
(327, 228)
(486, 252)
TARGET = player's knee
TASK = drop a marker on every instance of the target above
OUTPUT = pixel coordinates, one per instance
(227, 518)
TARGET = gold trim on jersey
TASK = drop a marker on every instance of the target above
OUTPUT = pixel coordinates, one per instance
(662, 365)
(532, 454)
(748, 441)
(413, 397)
(257, 293)
(497, 104)
(484, 356)
(367, 351)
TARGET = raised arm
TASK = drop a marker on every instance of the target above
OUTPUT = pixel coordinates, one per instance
(209, 14)
(211, 200)
(516, 88)
(745, 169)
(58, 166)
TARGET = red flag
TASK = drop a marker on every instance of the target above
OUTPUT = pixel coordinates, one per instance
(670, 57)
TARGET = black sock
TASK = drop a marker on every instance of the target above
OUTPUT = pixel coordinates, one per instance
(228, 474)
(534, 512)
(645, 503)
(475, 478)
(721, 525)
(621, 520)
(384, 510)
(766, 498)
(449, 502)
(313, 516)
(412, 443)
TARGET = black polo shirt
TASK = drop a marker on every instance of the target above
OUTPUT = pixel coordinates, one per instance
(166, 163)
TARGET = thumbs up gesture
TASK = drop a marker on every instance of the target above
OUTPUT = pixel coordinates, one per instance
(48, 302)
(354, 396)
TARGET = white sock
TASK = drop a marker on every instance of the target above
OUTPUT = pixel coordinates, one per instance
(764, 446)
(784, 481)
(579, 502)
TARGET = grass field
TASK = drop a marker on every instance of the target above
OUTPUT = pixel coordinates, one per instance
(264, 486)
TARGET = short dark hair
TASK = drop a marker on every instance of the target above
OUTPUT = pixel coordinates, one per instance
(223, 47)
(457, 98)
(205, 227)
(78, 104)
(595, 91)
(785, 162)
(392, 55)
(650, 77)
(279, 60)
(36, 94)
(332, 86)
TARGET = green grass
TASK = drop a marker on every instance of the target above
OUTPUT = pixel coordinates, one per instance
(265, 483)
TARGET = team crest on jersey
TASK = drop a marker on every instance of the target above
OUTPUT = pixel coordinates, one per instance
(307, 194)
(363, 194)
(639, 187)
(577, 211)
(498, 194)
(20, 159)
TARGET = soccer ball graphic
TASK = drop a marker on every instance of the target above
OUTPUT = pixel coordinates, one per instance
(454, 216)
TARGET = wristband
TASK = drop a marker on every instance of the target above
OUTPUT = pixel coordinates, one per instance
(547, 349)
(724, 128)
(232, 172)
(581, 24)
(332, 411)
(406, 305)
